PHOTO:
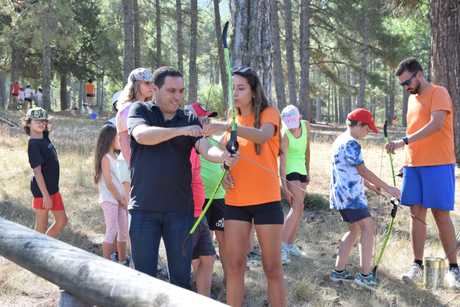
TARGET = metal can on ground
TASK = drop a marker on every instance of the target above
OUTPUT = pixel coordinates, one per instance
(433, 273)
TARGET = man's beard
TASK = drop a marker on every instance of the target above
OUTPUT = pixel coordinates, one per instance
(415, 90)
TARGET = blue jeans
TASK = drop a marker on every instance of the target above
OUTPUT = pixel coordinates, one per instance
(146, 231)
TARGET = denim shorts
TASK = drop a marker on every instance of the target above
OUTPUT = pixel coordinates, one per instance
(429, 186)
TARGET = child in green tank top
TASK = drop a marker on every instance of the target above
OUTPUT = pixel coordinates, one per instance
(294, 171)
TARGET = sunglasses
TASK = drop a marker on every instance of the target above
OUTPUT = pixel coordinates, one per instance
(408, 81)
(243, 70)
(141, 75)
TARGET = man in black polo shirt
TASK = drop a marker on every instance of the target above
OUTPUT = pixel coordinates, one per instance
(161, 203)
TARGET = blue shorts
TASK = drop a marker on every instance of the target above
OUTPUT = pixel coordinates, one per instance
(429, 186)
(354, 215)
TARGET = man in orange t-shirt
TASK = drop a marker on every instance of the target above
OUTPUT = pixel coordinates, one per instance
(90, 91)
(429, 172)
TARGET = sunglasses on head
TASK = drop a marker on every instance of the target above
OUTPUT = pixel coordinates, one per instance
(408, 81)
(242, 70)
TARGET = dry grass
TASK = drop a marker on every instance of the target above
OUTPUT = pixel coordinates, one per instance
(306, 277)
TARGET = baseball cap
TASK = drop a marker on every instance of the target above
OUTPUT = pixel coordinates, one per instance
(200, 111)
(291, 116)
(37, 113)
(140, 74)
(364, 116)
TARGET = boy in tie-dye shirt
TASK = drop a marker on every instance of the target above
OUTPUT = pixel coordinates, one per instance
(348, 177)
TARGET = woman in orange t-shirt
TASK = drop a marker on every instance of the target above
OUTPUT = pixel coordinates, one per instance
(252, 190)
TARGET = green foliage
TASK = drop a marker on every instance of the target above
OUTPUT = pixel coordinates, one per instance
(211, 96)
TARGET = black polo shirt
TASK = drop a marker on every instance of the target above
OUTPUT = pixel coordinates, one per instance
(161, 174)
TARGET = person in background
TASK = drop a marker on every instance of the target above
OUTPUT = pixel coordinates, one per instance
(14, 93)
(139, 88)
(28, 96)
(38, 96)
(349, 175)
(429, 169)
(295, 171)
(44, 162)
(90, 95)
(113, 196)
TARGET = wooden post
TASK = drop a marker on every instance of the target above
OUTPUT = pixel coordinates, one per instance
(92, 279)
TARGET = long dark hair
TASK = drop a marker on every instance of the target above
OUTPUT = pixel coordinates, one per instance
(259, 100)
(104, 141)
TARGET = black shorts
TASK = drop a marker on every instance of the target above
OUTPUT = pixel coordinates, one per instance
(296, 177)
(28, 99)
(263, 214)
(354, 215)
(215, 214)
(202, 242)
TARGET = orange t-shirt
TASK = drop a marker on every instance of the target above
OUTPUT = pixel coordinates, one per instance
(437, 148)
(89, 89)
(256, 179)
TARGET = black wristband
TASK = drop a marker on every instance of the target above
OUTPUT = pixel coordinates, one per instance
(405, 140)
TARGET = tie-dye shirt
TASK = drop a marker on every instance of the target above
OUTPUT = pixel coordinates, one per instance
(347, 185)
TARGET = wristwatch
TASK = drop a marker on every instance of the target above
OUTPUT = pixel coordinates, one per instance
(405, 140)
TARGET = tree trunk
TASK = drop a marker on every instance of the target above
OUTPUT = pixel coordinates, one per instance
(46, 58)
(364, 59)
(179, 42)
(404, 108)
(241, 18)
(318, 110)
(100, 93)
(304, 55)
(63, 94)
(3, 93)
(81, 95)
(128, 28)
(137, 34)
(220, 48)
(445, 38)
(348, 98)
(277, 63)
(193, 73)
(252, 39)
(391, 98)
(158, 60)
(16, 59)
(336, 104)
(292, 80)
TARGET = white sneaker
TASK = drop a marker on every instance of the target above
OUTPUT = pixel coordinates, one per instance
(414, 275)
(284, 255)
(452, 278)
(295, 251)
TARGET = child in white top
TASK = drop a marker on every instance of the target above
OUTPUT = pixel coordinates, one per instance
(113, 196)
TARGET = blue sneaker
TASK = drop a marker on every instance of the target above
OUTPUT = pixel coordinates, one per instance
(341, 276)
(369, 281)
(114, 256)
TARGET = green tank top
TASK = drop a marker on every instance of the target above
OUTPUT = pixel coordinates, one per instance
(295, 158)
(210, 174)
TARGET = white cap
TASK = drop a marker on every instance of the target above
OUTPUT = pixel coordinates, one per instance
(291, 116)
(115, 97)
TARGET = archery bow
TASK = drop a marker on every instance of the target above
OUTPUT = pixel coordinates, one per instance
(232, 144)
(393, 201)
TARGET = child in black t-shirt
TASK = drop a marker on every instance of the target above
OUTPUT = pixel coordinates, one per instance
(45, 182)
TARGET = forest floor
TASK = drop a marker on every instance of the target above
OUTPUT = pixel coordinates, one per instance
(306, 277)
